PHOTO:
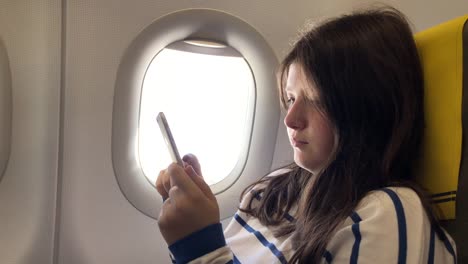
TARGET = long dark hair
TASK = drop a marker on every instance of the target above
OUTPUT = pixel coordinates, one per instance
(366, 69)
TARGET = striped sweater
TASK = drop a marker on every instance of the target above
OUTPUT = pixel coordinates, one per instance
(387, 226)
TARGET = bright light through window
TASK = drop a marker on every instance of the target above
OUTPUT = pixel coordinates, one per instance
(205, 99)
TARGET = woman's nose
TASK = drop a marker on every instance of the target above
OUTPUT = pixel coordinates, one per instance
(293, 118)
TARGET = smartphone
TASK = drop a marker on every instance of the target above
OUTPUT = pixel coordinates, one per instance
(169, 139)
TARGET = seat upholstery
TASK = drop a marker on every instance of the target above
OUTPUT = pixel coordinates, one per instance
(443, 165)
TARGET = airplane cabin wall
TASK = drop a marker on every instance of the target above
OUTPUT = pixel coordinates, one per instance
(31, 33)
(64, 57)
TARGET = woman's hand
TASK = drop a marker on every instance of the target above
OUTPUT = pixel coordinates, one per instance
(189, 205)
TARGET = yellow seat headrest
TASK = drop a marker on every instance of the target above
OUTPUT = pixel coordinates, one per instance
(441, 52)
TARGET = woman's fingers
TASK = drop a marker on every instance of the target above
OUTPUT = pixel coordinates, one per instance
(180, 179)
(192, 160)
(189, 207)
(198, 180)
(174, 176)
(163, 184)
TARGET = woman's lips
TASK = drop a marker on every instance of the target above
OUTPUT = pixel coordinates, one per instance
(298, 143)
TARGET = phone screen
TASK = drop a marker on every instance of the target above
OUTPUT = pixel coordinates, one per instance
(168, 138)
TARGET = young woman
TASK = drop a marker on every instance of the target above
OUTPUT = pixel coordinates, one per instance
(353, 91)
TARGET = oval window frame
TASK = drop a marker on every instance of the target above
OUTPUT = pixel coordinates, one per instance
(206, 24)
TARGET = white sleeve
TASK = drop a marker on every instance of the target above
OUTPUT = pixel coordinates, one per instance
(388, 226)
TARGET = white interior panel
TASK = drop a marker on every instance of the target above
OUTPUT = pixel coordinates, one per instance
(5, 108)
(31, 32)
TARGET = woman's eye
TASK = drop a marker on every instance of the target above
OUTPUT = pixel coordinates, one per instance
(290, 101)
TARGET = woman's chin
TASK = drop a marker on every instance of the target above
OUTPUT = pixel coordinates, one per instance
(305, 163)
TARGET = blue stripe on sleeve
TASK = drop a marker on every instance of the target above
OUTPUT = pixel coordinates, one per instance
(236, 260)
(357, 236)
(288, 217)
(190, 248)
(328, 256)
(402, 243)
(431, 247)
(355, 217)
(261, 238)
(257, 196)
(449, 248)
(172, 259)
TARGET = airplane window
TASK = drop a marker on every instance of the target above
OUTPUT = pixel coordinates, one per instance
(204, 88)
(213, 75)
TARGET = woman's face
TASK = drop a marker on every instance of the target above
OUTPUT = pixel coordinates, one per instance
(310, 132)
